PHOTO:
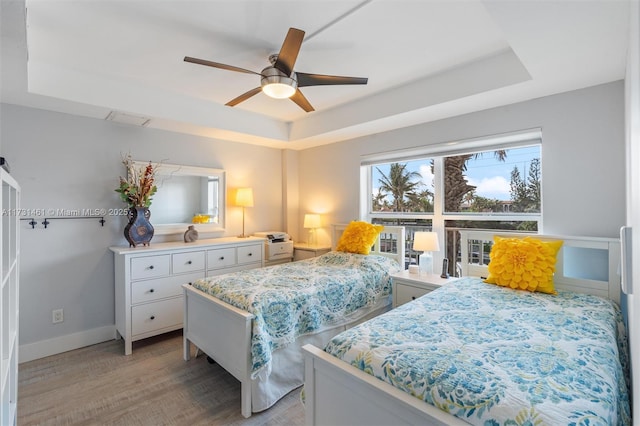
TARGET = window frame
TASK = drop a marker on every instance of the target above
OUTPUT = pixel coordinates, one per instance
(437, 153)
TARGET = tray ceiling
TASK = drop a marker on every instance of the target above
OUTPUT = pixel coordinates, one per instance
(425, 60)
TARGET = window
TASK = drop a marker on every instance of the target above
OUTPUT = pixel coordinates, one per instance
(500, 181)
(488, 186)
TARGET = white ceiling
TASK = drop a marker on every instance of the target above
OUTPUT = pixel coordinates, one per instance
(425, 60)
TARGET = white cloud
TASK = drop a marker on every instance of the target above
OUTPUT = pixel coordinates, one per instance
(427, 176)
(492, 187)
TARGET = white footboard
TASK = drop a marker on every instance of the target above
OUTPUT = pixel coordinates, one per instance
(339, 394)
(223, 332)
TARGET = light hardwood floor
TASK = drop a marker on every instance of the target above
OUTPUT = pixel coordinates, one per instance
(99, 385)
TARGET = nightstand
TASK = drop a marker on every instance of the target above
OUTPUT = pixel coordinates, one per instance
(303, 251)
(408, 287)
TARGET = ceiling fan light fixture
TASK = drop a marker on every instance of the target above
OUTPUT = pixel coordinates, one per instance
(278, 90)
(276, 84)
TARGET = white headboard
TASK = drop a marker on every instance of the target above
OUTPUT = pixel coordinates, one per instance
(584, 264)
(390, 242)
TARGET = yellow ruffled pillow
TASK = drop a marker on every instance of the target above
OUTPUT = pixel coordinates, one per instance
(523, 263)
(358, 237)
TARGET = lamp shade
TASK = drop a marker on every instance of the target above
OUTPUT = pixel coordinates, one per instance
(244, 197)
(311, 221)
(426, 241)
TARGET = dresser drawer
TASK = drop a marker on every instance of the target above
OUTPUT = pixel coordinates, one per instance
(161, 288)
(187, 262)
(303, 254)
(149, 317)
(245, 267)
(250, 254)
(406, 293)
(150, 266)
(277, 251)
(221, 258)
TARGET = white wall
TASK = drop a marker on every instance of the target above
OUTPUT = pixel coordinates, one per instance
(583, 152)
(68, 162)
(291, 194)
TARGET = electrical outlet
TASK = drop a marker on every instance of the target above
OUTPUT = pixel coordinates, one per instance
(57, 315)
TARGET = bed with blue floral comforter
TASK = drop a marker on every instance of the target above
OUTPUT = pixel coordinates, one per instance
(304, 297)
(496, 356)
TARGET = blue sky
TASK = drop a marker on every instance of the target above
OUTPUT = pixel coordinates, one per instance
(490, 176)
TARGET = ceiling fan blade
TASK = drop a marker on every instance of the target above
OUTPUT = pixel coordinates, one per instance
(244, 96)
(289, 51)
(305, 79)
(302, 102)
(218, 65)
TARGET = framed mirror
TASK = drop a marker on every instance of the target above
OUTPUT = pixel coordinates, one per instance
(187, 195)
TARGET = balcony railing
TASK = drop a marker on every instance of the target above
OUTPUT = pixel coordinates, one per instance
(478, 251)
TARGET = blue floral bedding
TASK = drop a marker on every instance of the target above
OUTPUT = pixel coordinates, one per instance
(304, 297)
(496, 356)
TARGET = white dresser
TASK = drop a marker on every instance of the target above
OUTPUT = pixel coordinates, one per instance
(148, 280)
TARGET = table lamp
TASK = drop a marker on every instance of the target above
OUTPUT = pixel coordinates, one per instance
(426, 242)
(312, 221)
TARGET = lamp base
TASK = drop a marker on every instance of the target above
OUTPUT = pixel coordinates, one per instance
(425, 263)
(243, 235)
(312, 241)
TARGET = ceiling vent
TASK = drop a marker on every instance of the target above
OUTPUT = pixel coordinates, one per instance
(121, 117)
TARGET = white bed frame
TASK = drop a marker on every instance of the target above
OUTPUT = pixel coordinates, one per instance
(338, 394)
(223, 331)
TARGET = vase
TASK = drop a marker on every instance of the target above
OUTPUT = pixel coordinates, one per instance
(139, 230)
(191, 234)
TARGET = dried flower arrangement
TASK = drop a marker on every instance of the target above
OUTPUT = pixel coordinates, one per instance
(139, 186)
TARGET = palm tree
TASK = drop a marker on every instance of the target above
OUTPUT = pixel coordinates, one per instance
(467, 199)
(455, 181)
(379, 202)
(402, 184)
(420, 201)
(456, 188)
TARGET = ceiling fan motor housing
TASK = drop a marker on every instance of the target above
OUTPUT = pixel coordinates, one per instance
(271, 76)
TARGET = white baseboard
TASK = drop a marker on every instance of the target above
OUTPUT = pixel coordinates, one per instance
(44, 348)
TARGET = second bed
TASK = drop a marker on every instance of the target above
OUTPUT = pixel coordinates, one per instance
(254, 322)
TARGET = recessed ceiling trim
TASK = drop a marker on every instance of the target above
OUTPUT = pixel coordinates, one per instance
(483, 75)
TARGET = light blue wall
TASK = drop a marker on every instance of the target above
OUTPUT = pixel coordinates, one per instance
(68, 162)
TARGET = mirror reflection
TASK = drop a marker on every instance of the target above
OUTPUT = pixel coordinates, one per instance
(186, 199)
(187, 195)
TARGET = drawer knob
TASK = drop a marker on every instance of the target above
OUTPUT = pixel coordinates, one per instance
(250, 254)
(153, 317)
(221, 257)
(151, 290)
(151, 267)
(413, 298)
(189, 262)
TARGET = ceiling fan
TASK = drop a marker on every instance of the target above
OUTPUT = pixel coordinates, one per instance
(279, 80)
